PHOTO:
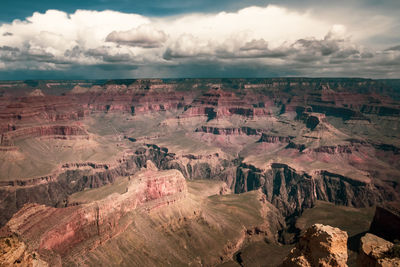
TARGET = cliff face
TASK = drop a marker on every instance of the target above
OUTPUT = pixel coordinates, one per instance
(292, 191)
(289, 191)
(217, 103)
(61, 131)
(89, 225)
(350, 192)
(336, 149)
(319, 246)
(386, 222)
(229, 131)
(102, 230)
(267, 138)
(53, 190)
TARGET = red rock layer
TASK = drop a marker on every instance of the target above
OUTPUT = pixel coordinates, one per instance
(217, 103)
(88, 225)
(229, 131)
(38, 131)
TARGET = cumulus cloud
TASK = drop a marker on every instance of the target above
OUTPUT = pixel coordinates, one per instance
(275, 39)
(143, 36)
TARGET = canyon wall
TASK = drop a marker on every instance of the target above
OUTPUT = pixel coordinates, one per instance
(88, 225)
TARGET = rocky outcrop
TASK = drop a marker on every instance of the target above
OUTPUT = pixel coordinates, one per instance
(380, 110)
(291, 191)
(320, 245)
(377, 252)
(288, 190)
(267, 138)
(217, 103)
(14, 252)
(92, 165)
(45, 109)
(53, 190)
(339, 149)
(212, 166)
(229, 131)
(341, 112)
(347, 191)
(91, 224)
(63, 131)
(388, 148)
(386, 222)
(299, 147)
(312, 122)
(36, 93)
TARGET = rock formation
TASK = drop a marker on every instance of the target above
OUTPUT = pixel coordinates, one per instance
(60, 131)
(229, 131)
(320, 245)
(14, 252)
(386, 222)
(377, 252)
(89, 225)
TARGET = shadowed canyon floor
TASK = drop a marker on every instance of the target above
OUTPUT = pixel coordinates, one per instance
(193, 171)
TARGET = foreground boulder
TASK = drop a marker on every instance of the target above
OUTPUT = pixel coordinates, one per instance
(377, 252)
(320, 245)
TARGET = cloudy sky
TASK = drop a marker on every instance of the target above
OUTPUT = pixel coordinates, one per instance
(47, 39)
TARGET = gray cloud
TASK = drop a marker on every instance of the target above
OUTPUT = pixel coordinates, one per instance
(9, 48)
(102, 54)
(11, 54)
(143, 36)
(106, 55)
(324, 47)
(333, 48)
(259, 49)
(75, 52)
(393, 48)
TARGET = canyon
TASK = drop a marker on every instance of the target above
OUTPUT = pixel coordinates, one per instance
(203, 171)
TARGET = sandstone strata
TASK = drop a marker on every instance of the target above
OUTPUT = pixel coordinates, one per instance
(377, 252)
(88, 225)
(58, 131)
(320, 245)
